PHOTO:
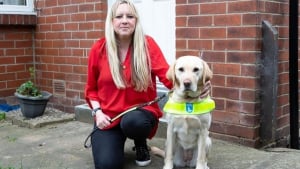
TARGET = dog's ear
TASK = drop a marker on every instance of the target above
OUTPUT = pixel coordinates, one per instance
(207, 73)
(171, 72)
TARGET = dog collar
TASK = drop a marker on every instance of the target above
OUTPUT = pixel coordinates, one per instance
(204, 106)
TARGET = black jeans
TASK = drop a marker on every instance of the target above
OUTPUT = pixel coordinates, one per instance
(108, 145)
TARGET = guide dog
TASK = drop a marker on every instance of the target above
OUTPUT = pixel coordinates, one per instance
(188, 141)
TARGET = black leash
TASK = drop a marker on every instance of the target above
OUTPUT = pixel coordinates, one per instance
(157, 99)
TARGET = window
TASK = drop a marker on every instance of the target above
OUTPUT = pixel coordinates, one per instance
(16, 7)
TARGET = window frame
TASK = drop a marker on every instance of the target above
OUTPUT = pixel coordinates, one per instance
(19, 9)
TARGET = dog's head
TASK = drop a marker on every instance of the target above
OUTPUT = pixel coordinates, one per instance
(189, 74)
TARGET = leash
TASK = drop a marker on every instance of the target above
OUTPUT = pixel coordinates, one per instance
(157, 99)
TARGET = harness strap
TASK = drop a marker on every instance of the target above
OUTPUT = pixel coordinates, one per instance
(204, 106)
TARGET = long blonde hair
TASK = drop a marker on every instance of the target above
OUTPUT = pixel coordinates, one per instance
(141, 68)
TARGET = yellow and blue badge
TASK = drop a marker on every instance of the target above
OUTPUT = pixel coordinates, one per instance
(204, 106)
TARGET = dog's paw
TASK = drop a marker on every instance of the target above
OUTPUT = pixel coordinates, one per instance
(202, 167)
(168, 166)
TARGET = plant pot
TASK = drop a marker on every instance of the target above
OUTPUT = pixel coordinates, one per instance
(32, 107)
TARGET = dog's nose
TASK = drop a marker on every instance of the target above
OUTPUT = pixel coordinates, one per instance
(187, 84)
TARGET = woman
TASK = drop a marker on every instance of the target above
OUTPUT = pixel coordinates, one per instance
(122, 71)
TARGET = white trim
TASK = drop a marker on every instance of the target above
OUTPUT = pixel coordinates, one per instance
(27, 9)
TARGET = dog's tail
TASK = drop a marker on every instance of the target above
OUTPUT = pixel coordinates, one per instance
(157, 151)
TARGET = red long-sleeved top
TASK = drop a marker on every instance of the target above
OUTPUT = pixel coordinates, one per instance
(113, 101)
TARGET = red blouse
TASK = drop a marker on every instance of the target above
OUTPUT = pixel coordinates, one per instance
(113, 101)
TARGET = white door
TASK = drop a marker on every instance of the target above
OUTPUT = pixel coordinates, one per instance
(158, 21)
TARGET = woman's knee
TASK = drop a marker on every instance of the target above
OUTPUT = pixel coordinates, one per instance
(138, 123)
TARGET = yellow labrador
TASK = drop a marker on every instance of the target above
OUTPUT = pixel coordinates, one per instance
(188, 116)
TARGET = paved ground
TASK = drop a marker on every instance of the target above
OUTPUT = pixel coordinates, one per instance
(60, 146)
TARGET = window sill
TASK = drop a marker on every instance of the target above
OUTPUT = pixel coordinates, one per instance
(18, 19)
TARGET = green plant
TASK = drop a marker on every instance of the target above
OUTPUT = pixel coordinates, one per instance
(29, 88)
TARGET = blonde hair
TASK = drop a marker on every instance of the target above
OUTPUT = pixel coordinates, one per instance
(140, 71)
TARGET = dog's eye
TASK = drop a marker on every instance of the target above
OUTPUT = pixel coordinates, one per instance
(181, 69)
(196, 69)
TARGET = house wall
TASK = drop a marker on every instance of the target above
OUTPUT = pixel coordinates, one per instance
(16, 51)
(65, 32)
(227, 31)
(230, 34)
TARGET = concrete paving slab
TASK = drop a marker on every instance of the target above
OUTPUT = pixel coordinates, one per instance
(60, 146)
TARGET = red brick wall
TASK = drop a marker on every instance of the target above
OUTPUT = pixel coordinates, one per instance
(229, 33)
(16, 56)
(65, 32)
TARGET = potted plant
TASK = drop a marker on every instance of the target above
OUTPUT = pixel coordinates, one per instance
(32, 101)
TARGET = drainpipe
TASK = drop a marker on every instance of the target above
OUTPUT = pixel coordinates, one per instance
(293, 75)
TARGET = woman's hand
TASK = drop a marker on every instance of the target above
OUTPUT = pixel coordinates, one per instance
(102, 120)
(206, 90)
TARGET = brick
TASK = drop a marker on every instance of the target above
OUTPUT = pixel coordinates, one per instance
(242, 82)
(213, 8)
(71, 9)
(200, 44)
(199, 21)
(271, 7)
(249, 95)
(187, 10)
(225, 20)
(7, 44)
(65, 52)
(15, 52)
(241, 57)
(220, 44)
(218, 80)
(71, 26)
(187, 33)
(57, 27)
(243, 32)
(94, 16)
(249, 70)
(251, 45)
(79, 70)
(86, 8)
(57, 10)
(227, 69)
(86, 43)
(63, 3)
(283, 121)
(72, 43)
(234, 130)
(250, 19)
(64, 19)
(78, 17)
(50, 3)
(242, 6)
(181, 21)
(51, 19)
(86, 26)
(226, 117)
(23, 44)
(213, 33)
(228, 93)
(66, 68)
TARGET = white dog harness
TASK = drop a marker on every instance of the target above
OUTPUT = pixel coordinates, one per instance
(204, 106)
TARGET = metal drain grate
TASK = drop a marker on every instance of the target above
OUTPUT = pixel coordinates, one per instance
(59, 87)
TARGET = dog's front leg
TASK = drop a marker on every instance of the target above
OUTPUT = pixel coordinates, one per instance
(202, 150)
(169, 146)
